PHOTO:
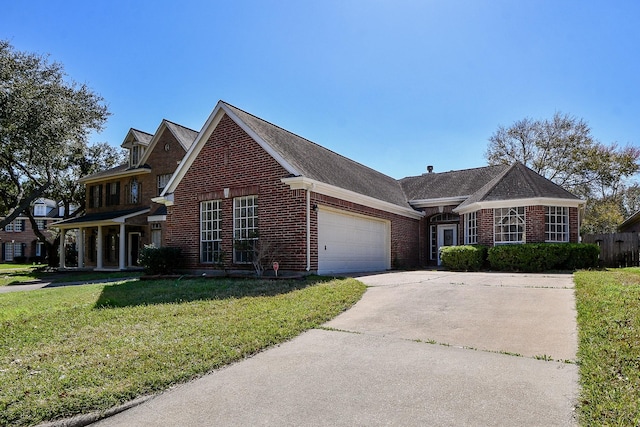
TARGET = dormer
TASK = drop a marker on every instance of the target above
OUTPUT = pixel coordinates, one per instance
(136, 142)
(43, 207)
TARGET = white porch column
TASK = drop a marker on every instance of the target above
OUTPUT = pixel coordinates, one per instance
(62, 234)
(80, 246)
(122, 260)
(99, 248)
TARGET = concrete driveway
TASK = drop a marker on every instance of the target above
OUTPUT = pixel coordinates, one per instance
(421, 348)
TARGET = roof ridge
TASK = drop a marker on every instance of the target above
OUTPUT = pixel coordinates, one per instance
(178, 124)
(453, 171)
(486, 189)
(308, 140)
(141, 131)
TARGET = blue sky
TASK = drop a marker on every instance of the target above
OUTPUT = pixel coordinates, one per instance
(395, 85)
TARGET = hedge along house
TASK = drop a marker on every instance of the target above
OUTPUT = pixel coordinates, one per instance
(245, 180)
(120, 216)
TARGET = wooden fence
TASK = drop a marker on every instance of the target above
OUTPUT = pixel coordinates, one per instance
(616, 249)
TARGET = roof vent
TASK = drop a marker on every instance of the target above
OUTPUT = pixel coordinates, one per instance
(430, 169)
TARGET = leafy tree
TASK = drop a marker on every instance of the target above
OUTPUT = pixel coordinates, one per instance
(45, 122)
(602, 216)
(563, 150)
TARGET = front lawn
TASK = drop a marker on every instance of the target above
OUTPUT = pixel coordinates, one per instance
(608, 304)
(73, 350)
(14, 274)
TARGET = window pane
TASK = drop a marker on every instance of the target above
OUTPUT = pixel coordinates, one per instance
(209, 231)
(245, 227)
(509, 225)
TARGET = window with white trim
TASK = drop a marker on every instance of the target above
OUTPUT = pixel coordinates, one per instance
(163, 180)
(95, 196)
(40, 249)
(245, 228)
(12, 250)
(40, 209)
(135, 155)
(210, 231)
(113, 194)
(156, 234)
(509, 225)
(556, 224)
(133, 191)
(41, 223)
(471, 228)
(15, 226)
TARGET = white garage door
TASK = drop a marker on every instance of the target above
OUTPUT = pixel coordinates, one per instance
(349, 243)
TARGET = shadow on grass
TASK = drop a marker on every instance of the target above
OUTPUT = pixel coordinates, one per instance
(22, 277)
(177, 291)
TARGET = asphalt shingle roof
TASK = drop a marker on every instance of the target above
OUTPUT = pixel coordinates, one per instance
(184, 135)
(460, 183)
(518, 182)
(103, 216)
(141, 136)
(321, 164)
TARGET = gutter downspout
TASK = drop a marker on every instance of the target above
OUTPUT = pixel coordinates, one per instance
(308, 229)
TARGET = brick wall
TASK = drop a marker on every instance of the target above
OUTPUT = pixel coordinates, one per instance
(162, 162)
(535, 225)
(485, 227)
(232, 159)
(26, 238)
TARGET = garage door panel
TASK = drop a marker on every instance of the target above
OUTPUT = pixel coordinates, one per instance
(350, 243)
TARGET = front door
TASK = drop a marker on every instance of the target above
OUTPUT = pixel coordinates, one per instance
(134, 249)
(447, 236)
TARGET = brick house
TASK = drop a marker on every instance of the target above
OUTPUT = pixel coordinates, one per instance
(18, 239)
(120, 216)
(245, 180)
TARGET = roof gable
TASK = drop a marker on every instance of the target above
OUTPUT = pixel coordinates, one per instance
(298, 156)
(136, 136)
(318, 163)
(183, 135)
(518, 182)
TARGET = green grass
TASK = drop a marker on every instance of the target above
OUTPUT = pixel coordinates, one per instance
(608, 304)
(14, 274)
(73, 350)
(12, 266)
(26, 273)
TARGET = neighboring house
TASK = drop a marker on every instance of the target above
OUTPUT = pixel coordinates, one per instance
(631, 224)
(18, 239)
(120, 216)
(245, 180)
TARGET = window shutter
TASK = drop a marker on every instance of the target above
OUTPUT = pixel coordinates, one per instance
(91, 193)
(23, 224)
(3, 249)
(100, 195)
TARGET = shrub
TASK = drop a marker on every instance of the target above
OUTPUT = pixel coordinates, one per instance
(163, 260)
(537, 257)
(584, 255)
(463, 258)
